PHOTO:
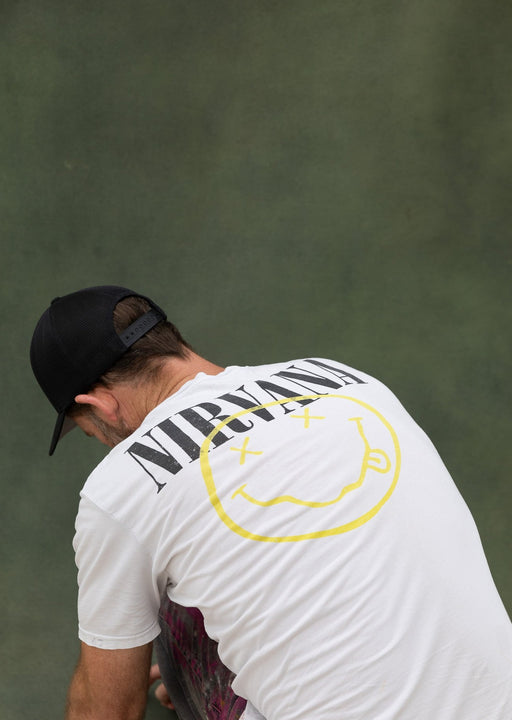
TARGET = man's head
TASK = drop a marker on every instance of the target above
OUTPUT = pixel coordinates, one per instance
(99, 338)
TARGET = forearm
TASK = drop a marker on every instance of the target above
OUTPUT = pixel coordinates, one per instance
(78, 703)
(97, 692)
(85, 703)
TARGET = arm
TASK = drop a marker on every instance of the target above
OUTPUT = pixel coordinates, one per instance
(109, 684)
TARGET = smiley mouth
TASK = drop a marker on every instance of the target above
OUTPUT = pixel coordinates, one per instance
(374, 459)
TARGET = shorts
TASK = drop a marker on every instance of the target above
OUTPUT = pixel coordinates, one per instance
(197, 681)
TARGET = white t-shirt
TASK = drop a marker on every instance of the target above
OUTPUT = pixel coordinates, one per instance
(312, 522)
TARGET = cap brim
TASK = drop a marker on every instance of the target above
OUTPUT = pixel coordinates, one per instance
(63, 425)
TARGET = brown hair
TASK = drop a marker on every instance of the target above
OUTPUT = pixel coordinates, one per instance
(145, 357)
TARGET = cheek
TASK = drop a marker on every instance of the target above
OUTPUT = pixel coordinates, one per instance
(85, 426)
(89, 428)
(104, 440)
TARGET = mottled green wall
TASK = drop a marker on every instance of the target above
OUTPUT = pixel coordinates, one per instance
(287, 178)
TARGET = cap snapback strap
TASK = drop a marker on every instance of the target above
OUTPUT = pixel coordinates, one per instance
(140, 327)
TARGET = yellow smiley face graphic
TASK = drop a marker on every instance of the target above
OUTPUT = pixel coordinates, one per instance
(328, 468)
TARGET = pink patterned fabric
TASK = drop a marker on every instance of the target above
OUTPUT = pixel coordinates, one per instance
(199, 684)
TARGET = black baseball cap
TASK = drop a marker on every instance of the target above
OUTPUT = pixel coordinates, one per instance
(75, 343)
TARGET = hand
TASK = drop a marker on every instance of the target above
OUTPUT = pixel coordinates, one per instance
(160, 693)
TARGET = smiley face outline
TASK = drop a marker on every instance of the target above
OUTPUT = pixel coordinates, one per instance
(209, 481)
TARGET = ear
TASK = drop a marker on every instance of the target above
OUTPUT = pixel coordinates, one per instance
(103, 401)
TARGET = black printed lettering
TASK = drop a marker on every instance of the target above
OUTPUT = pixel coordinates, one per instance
(203, 425)
(180, 438)
(313, 378)
(340, 373)
(164, 459)
(270, 388)
(206, 417)
(248, 404)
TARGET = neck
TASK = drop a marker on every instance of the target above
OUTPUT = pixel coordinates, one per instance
(138, 401)
(177, 371)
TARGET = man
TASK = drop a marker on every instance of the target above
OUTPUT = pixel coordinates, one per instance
(296, 505)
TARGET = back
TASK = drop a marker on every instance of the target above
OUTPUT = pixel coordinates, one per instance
(312, 522)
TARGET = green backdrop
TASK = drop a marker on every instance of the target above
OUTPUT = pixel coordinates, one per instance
(287, 178)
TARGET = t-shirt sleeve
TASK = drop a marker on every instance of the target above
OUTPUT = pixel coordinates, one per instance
(118, 597)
